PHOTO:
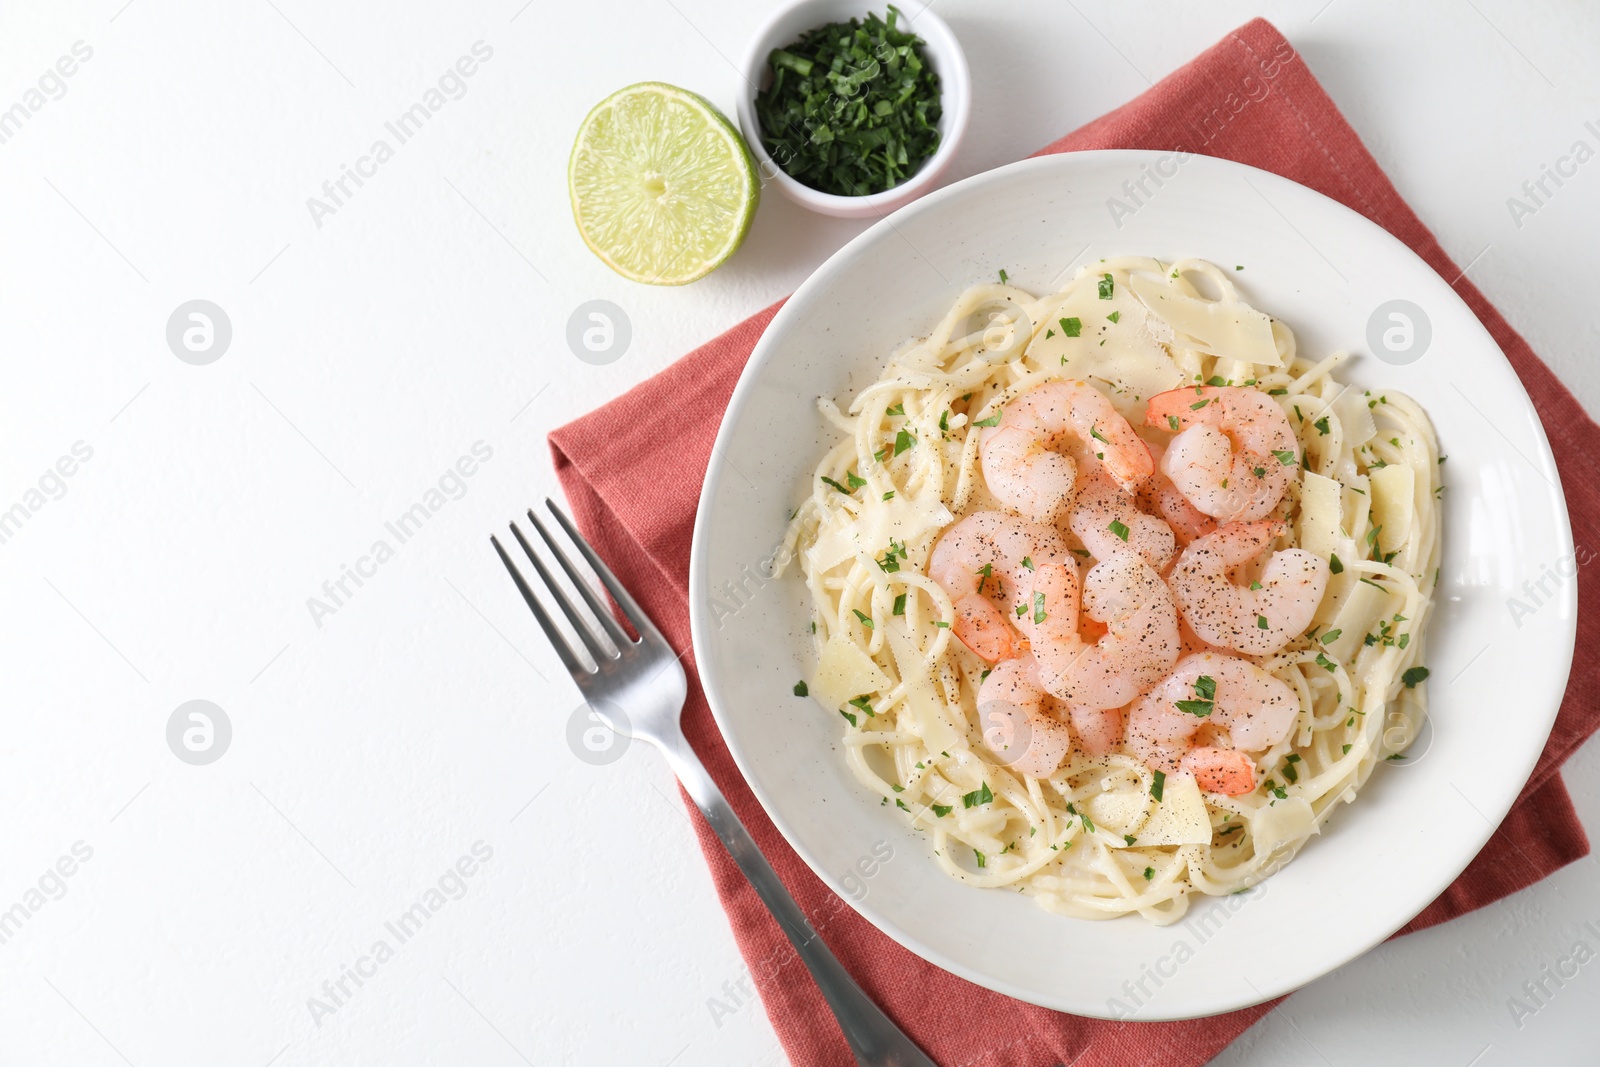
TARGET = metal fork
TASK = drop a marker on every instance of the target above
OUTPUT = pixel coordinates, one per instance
(645, 679)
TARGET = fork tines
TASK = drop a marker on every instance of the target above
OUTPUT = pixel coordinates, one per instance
(598, 632)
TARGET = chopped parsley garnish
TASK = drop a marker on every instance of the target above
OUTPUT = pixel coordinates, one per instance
(976, 797)
(1027, 561)
(1280, 391)
(1072, 327)
(898, 409)
(1331, 636)
(1149, 873)
(855, 481)
(889, 495)
(1372, 535)
(849, 716)
(1325, 663)
(1347, 749)
(1129, 838)
(1172, 421)
(1260, 472)
(1285, 456)
(1119, 529)
(1157, 784)
(944, 421)
(984, 572)
(829, 481)
(1198, 404)
(801, 690)
(1254, 586)
(1288, 767)
(1116, 316)
(992, 420)
(1261, 622)
(941, 624)
(900, 804)
(1038, 608)
(1003, 278)
(1334, 565)
(900, 604)
(1094, 431)
(1205, 688)
(983, 861)
(941, 810)
(1107, 287)
(866, 620)
(853, 107)
(1322, 425)
(863, 702)
(902, 441)
(1216, 379)
(1413, 675)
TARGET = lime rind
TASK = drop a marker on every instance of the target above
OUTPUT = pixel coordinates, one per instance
(663, 187)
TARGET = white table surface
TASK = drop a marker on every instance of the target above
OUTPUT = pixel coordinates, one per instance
(429, 313)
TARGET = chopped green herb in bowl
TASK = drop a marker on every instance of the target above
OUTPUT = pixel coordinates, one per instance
(854, 111)
(853, 107)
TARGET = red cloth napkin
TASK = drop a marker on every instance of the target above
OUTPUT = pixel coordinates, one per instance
(1249, 98)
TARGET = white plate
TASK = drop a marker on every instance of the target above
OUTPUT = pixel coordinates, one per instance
(1497, 674)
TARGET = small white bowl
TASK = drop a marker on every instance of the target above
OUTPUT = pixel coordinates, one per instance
(940, 49)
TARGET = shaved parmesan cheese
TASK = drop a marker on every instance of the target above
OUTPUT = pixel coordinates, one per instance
(1393, 503)
(930, 713)
(1355, 417)
(1121, 813)
(1284, 822)
(1228, 328)
(844, 672)
(1180, 818)
(1123, 359)
(901, 518)
(1320, 529)
(1357, 610)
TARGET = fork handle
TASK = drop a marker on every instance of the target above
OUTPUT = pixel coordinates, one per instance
(872, 1036)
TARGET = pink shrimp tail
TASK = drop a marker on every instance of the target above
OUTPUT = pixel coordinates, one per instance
(1220, 770)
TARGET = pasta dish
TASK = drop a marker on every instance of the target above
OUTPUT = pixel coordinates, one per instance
(1116, 595)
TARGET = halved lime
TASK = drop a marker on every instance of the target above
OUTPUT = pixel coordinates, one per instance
(663, 187)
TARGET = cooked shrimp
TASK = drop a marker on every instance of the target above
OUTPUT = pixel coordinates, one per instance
(1160, 497)
(1022, 723)
(1206, 715)
(1140, 643)
(1257, 619)
(1107, 520)
(1019, 722)
(1032, 460)
(1235, 451)
(984, 562)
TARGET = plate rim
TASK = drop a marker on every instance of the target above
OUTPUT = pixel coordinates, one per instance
(700, 618)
